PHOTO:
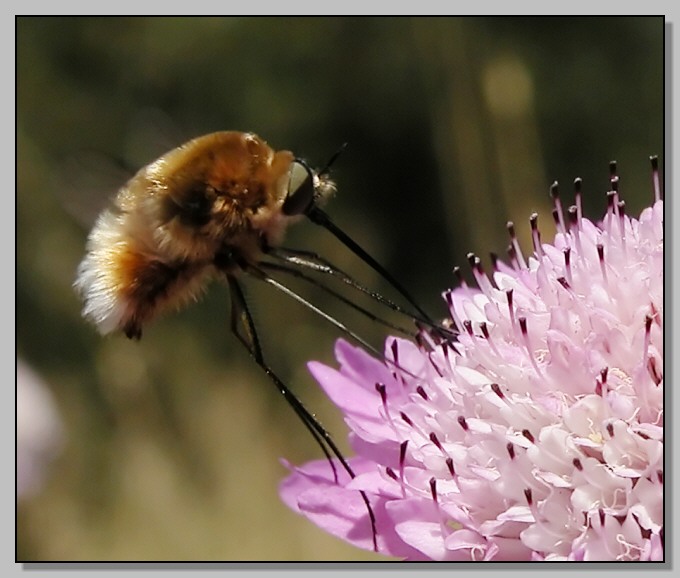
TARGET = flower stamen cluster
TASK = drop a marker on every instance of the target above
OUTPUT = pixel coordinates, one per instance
(538, 433)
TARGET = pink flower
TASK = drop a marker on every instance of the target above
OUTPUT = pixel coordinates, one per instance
(39, 431)
(538, 434)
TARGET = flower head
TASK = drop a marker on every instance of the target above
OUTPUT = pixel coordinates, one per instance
(538, 433)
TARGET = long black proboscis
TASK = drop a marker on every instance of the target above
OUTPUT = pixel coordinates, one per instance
(242, 318)
(319, 217)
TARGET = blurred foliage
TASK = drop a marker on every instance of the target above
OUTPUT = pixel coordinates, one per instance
(454, 126)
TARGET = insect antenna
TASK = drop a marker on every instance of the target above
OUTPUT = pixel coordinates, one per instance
(327, 168)
(243, 327)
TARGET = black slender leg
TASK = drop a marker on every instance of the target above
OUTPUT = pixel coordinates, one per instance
(243, 327)
(314, 262)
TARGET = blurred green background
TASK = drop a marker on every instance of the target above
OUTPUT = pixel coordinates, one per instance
(454, 126)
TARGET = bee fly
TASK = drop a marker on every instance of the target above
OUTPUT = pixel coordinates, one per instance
(218, 207)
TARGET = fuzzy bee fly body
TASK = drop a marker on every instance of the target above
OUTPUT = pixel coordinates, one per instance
(203, 208)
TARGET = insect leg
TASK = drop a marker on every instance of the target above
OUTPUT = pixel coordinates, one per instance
(314, 262)
(243, 327)
(258, 273)
(288, 270)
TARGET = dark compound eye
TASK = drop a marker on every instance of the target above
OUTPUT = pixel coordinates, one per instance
(300, 189)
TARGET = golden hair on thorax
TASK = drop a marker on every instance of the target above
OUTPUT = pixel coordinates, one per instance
(212, 203)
